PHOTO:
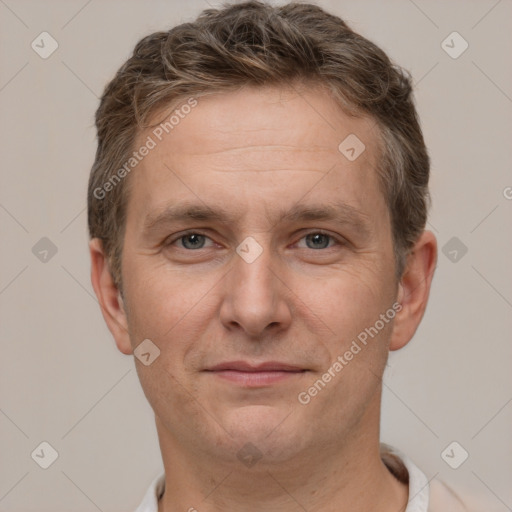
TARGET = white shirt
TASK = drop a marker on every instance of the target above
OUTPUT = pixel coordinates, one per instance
(423, 496)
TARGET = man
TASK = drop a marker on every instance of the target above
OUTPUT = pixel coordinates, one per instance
(257, 210)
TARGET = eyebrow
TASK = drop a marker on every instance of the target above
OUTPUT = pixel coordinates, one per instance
(341, 212)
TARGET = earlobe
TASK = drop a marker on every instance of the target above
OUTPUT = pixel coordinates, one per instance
(414, 289)
(109, 297)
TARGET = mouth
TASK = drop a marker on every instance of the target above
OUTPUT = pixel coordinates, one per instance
(255, 375)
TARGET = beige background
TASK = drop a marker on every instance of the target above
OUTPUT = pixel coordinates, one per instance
(63, 381)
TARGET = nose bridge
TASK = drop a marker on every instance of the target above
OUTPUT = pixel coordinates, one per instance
(253, 295)
(254, 280)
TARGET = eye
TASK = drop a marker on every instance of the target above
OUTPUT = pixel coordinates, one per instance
(318, 240)
(192, 241)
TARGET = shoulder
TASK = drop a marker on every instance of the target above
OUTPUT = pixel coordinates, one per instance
(443, 497)
(434, 495)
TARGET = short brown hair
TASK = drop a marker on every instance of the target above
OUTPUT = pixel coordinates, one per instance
(254, 43)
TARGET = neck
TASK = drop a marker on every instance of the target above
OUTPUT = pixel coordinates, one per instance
(351, 477)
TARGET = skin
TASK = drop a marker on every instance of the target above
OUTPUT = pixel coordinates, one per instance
(256, 153)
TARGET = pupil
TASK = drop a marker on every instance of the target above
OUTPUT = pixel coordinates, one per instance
(193, 241)
(319, 239)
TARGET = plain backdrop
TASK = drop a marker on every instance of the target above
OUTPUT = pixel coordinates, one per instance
(62, 379)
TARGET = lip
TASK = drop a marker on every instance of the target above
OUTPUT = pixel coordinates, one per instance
(256, 375)
(268, 366)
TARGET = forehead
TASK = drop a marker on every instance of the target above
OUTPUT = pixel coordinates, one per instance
(255, 147)
(306, 118)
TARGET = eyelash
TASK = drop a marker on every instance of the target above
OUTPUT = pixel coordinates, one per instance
(332, 238)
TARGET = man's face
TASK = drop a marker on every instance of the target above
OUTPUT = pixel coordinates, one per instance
(266, 162)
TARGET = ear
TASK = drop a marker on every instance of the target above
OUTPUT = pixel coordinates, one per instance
(414, 289)
(109, 297)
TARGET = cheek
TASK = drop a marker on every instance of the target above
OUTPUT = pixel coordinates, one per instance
(169, 307)
(167, 392)
(348, 300)
(342, 390)
(157, 296)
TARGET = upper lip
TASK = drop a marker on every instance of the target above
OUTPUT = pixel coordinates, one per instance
(269, 366)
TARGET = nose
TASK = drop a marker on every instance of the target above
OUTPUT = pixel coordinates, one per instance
(255, 300)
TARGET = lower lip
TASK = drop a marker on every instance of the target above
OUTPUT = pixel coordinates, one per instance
(255, 379)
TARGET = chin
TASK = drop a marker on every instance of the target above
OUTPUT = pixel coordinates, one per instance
(272, 431)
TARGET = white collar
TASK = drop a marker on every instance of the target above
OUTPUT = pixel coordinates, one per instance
(419, 488)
